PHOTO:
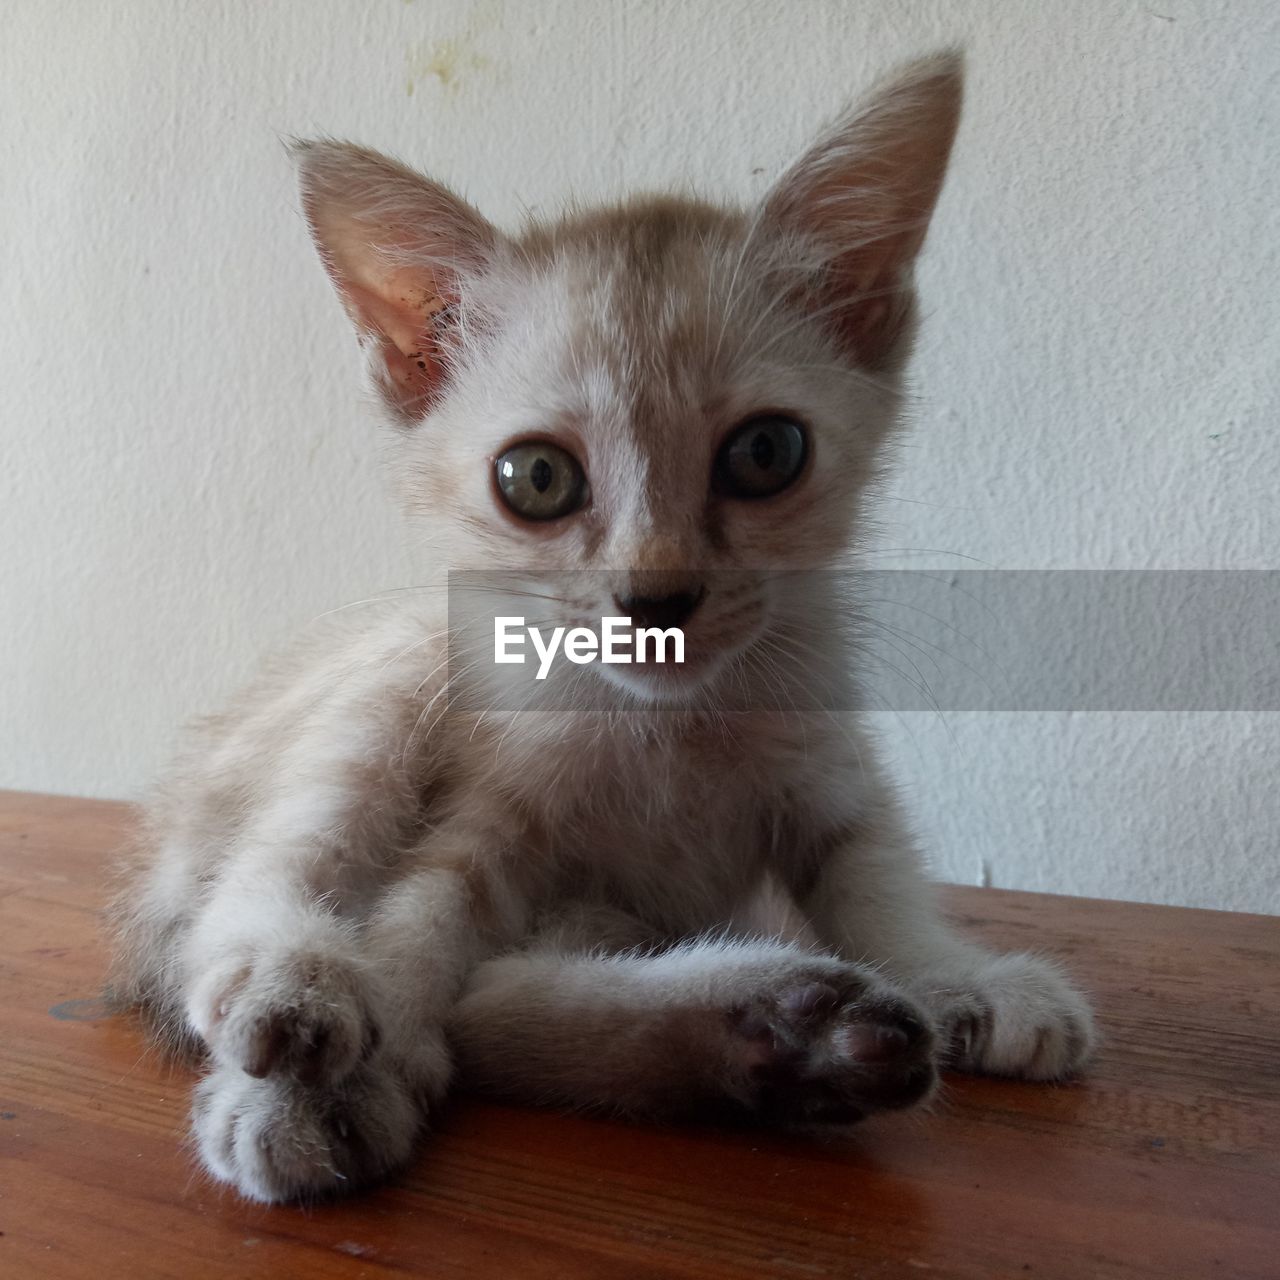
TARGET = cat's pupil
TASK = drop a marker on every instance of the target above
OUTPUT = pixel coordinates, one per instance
(540, 481)
(763, 451)
(764, 455)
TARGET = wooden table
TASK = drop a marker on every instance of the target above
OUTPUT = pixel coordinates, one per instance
(1164, 1162)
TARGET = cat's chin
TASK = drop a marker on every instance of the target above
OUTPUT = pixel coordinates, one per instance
(668, 684)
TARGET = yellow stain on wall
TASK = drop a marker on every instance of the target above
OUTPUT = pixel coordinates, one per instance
(449, 60)
(444, 60)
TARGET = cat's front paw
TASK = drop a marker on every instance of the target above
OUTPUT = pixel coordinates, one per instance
(831, 1047)
(310, 1013)
(1017, 1015)
(275, 1139)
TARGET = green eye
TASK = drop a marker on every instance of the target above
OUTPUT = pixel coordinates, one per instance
(541, 481)
(762, 457)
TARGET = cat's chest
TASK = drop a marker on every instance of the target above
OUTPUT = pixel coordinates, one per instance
(678, 855)
(656, 780)
(677, 828)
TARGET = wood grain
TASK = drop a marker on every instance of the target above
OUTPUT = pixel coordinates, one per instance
(1164, 1162)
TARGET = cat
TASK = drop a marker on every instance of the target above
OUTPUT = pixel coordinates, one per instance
(366, 882)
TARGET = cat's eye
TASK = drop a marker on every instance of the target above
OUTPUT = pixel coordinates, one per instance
(540, 481)
(762, 457)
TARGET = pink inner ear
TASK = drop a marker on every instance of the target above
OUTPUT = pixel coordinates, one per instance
(398, 247)
(406, 317)
(870, 321)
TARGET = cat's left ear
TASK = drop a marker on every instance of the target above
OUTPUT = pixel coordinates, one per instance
(857, 205)
(400, 250)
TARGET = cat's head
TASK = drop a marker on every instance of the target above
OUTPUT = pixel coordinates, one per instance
(681, 398)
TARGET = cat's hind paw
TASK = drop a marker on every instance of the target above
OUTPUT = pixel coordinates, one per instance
(831, 1048)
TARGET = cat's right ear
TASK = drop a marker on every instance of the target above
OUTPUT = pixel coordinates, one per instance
(399, 248)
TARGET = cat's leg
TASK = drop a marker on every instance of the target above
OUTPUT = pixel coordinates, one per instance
(275, 981)
(151, 915)
(325, 1032)
(1004, 1014)
(767, 1029)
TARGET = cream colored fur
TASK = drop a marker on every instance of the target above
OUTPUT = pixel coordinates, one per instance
(368, 879)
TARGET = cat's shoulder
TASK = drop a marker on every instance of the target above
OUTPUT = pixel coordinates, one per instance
(376, 661)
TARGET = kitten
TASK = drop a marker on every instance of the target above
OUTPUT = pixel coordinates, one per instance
(366, 880)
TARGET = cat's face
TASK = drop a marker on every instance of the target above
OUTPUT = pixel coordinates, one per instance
(645, 417)
(662, 408)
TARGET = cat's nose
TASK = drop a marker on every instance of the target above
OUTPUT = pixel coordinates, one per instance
(672, 610)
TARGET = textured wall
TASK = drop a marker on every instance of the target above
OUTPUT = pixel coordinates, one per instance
(188, 475)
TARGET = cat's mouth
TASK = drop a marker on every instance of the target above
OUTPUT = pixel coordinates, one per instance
(706, 671)
(669, 682)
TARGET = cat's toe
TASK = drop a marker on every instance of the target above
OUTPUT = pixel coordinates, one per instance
(827, 1050)
(310, 1016)
(274, 1139)
(1019, 1016)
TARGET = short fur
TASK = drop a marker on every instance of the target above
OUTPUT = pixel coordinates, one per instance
(364, 881)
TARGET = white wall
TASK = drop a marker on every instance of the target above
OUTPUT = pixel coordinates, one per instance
(188, 475)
